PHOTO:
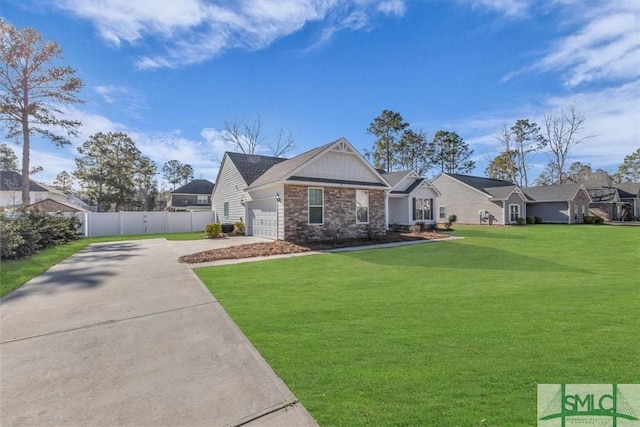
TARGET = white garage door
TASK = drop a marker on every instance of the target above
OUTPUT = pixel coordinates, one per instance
(264, 221)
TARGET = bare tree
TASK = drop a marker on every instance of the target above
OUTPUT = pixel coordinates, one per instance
(245, 137)
(285, 142)
(562, 134)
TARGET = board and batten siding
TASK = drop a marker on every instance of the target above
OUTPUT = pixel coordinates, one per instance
(465, 202)
(514, 199)
(339, 165)
(230, 189)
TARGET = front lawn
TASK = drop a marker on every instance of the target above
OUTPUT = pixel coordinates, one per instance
(449, 334)
(14, 274)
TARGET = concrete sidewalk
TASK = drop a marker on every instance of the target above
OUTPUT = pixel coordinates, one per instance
(123, 334)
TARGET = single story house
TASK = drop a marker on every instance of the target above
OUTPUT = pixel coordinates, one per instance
(479, 200)
(50, 205)
(193, 196)
(411, 199)
(11, 192)
(328, 192)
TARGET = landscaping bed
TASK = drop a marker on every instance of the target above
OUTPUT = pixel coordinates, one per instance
(278, 247)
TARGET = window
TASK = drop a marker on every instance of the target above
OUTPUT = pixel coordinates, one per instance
(584, 210)
(316, 205)
(203, 199)
(443, 212)
(362, 206)
(514, 213)
(422, 209)
(226, 209)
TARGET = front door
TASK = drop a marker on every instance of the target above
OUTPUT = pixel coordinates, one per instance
(514, 213)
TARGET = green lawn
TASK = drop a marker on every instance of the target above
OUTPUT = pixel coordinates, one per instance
(445, 334)
(14, 274)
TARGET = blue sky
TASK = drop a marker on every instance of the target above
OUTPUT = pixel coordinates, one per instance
(170, 73)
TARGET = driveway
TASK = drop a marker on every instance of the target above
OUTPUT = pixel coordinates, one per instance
(123, 334)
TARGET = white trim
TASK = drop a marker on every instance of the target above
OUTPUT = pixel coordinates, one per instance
(368, 209)
(518, 213)
(309, 206)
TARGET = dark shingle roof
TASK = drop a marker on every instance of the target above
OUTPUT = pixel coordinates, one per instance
(12, 181)
(628, 189)
(252, 166)
(480, 183)
(501, 192)
(197, 186)
(552, 193)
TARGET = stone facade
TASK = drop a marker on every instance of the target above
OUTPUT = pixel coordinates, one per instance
(581, 202)
(339, 215)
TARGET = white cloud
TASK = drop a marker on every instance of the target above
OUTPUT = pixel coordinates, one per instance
(510, 8)
(196, 30)
(130, 100)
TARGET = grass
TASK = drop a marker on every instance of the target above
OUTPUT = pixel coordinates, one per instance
(14, 274)
(449, 334)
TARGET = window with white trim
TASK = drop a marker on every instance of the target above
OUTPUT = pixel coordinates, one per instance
(203, 199)
(422, 209)
(316, 205)
(443, 212)
(514, 213)
(362, 206)
(225, 209)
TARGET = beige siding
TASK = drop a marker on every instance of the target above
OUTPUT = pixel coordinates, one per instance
(339, 165)
(229, 188)
(464, 202)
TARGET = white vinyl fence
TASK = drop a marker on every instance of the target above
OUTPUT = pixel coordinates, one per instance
(116, 223)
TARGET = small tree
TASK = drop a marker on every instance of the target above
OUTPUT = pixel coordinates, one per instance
(33, 90)
(388, 128)
(503, 167)
(8, 159)
(451, 153)
(63, 182)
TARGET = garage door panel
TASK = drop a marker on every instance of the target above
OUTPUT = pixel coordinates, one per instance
(264, 221)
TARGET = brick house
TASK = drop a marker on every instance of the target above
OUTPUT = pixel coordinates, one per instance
(193, 196)
(328, 192)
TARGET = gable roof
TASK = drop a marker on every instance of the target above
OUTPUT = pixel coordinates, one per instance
(394, 178)
(481, 183)
(197, 186)
(553, 193)
(282, 169)
(252, 166)
(286, 169)
(12, 181)
(501, 192)
(61, 205)
(628, 189)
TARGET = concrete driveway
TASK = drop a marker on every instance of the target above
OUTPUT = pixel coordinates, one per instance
(123, 334)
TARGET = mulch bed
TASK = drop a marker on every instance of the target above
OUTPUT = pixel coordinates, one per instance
(278, 247)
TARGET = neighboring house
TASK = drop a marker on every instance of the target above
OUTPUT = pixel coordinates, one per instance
(612, 202)
(629, 193)
(50, 205)
(411, 199)
(478, 200)
(194, 196)
(328, 192)
(11, 191)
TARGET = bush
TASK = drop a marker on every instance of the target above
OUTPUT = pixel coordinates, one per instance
(451, 220)
(27, 233)
(531, 220)
(520, 221)
(213, 230)
(538, 220)
(238, 228)
(593, 220)
(415, 229)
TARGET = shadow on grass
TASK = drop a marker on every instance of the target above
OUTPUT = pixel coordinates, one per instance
(459, 256)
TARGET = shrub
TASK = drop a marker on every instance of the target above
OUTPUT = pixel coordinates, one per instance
(238, 228)
(531, 220)
(538, 220)
(593, 220)
(25, 233)
(213, 230)
(520, 221)
(451, 220)
(415, 229)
